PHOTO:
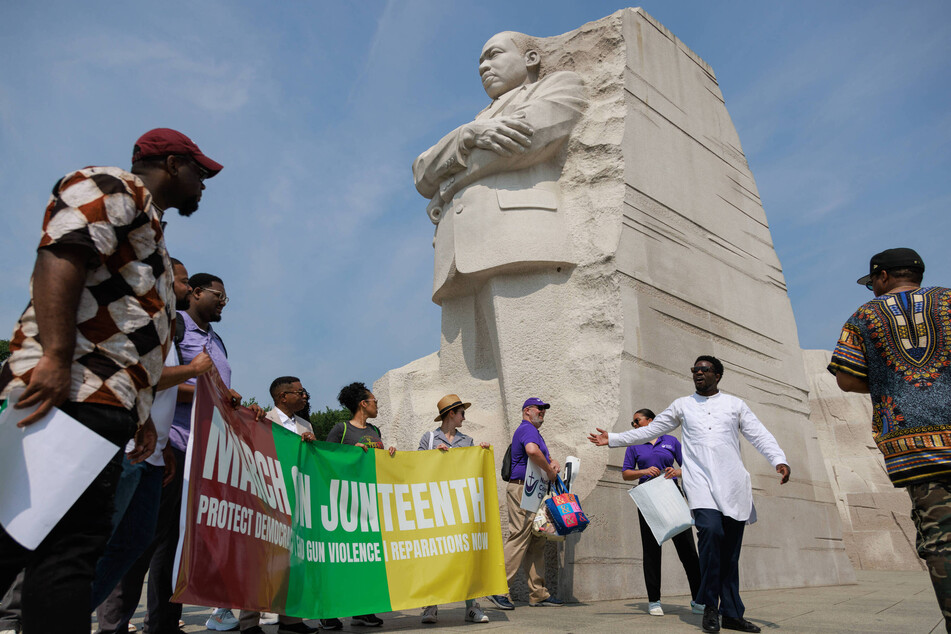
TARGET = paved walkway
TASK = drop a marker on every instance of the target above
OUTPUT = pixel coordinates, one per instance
(892, 602)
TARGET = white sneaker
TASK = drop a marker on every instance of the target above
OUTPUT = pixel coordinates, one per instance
(430, 613)
(654, 609)
(476, 615)
(221, 620)
(696, 608)
(268, 618)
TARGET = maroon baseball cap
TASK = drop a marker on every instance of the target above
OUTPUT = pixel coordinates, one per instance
(165, 141)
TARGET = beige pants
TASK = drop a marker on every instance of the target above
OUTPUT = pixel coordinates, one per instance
(522, 546)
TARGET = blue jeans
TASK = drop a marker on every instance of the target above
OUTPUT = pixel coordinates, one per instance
(136, 512)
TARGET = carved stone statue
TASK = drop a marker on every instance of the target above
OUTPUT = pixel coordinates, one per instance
(493, 183)
(597, 228)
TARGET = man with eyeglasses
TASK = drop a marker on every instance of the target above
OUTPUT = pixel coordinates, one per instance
(289, 397)
(522, 546)
(208, 299)
(717, 485)
(897, 348)
(92, 342)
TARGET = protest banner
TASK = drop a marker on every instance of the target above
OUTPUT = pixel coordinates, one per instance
(318, 530)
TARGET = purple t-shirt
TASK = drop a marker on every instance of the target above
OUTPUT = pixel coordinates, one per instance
(661, 455)
(525, 433)
(196, 339)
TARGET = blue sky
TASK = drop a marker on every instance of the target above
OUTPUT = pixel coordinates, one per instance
(317, 110)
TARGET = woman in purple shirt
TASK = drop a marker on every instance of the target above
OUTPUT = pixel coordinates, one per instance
(641, 463)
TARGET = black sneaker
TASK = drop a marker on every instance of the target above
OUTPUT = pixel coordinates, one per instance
(741, 624)
(550, 602)
(331, 624)
(711, 620)
(500, 601)
(369, 620)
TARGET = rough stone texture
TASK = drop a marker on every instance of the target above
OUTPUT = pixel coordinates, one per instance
(876, 517)
(674, 259)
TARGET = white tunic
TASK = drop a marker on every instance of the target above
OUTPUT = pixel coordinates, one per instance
(713, 473)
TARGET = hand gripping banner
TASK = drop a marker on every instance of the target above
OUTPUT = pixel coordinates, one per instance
(318, 530)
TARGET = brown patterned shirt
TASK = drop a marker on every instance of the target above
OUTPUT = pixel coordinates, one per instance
(126, 306)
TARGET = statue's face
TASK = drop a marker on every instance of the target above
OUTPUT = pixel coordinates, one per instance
(501, 66)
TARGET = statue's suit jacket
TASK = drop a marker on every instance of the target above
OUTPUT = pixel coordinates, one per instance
(302, 425)
(497, 214)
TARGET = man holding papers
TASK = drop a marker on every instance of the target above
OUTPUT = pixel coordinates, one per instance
(92, 342)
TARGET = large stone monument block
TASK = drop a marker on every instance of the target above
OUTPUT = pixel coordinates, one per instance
(876, 516)
(666, 255)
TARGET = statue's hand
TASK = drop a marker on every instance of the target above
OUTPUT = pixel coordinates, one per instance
(506, 136)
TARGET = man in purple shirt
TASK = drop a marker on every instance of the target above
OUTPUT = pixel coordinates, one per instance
(522, 545)
(208, 299)
(641, 463)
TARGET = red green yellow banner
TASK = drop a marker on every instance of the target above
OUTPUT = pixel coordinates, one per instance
(317, 530)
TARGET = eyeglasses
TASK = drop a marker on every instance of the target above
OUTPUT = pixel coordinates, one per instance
(701, 368)
(301, 392)
(222, 298)
(370, 400)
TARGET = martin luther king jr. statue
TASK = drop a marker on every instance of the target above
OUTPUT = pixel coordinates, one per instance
(501, 235)
(493, 183)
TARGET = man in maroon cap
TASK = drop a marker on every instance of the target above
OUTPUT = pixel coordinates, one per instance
(92, 342)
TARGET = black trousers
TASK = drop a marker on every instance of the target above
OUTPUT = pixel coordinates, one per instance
(58, 575)
(720, 538)
(163, 615)
(651, 550)
(158, 561)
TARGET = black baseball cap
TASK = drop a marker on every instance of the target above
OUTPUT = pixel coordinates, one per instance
(900, 258)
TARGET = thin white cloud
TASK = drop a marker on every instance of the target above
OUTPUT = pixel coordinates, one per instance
(212, 84)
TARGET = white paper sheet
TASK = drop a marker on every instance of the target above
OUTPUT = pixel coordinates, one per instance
(573, 465)
(44, 468)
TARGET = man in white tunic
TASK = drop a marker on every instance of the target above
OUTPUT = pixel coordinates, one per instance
(715, 481)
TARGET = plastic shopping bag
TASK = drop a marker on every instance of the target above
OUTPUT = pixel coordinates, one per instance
(663, 507)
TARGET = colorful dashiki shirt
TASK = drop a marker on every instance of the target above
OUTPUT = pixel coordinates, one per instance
(901, 344)
(125, 308)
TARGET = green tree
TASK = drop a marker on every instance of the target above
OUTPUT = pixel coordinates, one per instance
(248, 402)
(324, 421)
(4, 350)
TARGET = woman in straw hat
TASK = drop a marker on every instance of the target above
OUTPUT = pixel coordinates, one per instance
(451, 416)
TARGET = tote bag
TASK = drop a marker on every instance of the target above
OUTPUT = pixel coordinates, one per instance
(663, 507)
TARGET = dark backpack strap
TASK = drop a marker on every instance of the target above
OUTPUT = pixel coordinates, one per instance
(506, 471)
(179, 336)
